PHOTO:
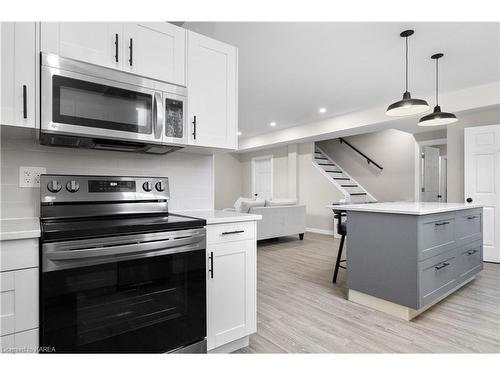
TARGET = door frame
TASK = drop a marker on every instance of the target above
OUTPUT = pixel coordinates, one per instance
(254, 159)
(419, 164)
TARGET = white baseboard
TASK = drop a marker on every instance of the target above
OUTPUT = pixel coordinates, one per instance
(323, 231)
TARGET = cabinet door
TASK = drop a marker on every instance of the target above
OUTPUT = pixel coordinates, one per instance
(18, 300)
(155, 50)
(212, 92)
(22, 342)
(18, 70)
(93, 42)
(231, 292)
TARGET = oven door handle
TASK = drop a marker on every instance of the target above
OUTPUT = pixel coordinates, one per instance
(177, 245)
(157, 115)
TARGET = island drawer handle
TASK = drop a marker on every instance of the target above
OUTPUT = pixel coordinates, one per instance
(442, 223)
(472, 252)
(445, 264)
(471, 217)
(233, 232)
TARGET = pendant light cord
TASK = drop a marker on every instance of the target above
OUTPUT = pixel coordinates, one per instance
(437, 83)
(406, 72)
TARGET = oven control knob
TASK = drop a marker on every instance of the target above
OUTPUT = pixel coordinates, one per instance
(147, 186)
(54, 186)
(160, 186)
(72, 186)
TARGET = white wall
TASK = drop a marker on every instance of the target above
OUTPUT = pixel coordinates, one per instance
(190, 175)
(228, 179)
(393, 149)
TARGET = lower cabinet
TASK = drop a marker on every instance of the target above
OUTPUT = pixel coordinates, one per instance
(19, 296)
(231, 283)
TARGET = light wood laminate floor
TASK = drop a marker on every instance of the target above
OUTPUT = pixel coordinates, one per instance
(299, 310)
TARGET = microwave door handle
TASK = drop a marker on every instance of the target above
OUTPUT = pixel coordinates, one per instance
(157, 115)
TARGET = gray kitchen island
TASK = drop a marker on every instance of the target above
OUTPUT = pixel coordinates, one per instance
(403, 257)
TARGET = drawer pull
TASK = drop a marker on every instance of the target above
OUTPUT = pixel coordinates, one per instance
(471, 217)
(233, 232)
(442, 223)
(445, 264)
(472, 252)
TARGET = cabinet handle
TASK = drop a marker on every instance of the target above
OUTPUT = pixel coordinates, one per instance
(472, 252)
(442, 223)
(445, 264)
(471, 217)
(194, 127)
(211, 270)
(25, 102)
(116, 47)
(233, 232)
(131, 48)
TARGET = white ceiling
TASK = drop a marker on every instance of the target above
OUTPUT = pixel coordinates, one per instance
(287, 71)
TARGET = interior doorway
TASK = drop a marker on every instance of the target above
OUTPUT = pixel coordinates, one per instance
(433, 168)
(262, 177)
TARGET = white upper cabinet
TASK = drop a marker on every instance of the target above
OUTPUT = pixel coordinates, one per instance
(18, 59)
(212, 92)
(93, 42)
(155, 50)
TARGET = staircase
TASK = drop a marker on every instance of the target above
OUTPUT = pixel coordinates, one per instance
(353, 192)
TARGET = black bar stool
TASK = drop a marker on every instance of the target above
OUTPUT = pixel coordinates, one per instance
(342, 230)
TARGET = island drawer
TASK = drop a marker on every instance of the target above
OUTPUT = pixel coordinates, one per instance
(437, 275)
(436, 235)
(469, 225)
(470, 260)
(219, 233)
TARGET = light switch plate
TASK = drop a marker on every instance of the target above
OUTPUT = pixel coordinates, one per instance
(30, 176)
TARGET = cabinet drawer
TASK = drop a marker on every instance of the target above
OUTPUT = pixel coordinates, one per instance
(469, 226)
(436, 235)
(470, 260)
(16, 254)
(219, 233)
(18, 300)
(437, 276)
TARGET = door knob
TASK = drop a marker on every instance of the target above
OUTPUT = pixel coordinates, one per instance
(469, 200)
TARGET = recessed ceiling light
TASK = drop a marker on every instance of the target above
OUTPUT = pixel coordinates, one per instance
(239, 133)
(272, 123)
(322, 110)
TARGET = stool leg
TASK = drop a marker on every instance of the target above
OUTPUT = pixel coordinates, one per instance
(339, 258)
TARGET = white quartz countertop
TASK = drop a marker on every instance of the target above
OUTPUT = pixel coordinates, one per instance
(17, 229)
(406, 208)
(219, 216)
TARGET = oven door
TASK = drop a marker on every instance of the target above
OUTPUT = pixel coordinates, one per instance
(147, 299)
(92, 106)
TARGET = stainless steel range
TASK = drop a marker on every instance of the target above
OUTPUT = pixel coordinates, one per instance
(118, 273)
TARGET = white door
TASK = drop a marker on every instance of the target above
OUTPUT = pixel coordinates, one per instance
(231, 292)
(443, 174)
(98, 43)
(18, 67)
(262, 177)
(482, 182)
(430, 192)
(158, 51)
(212, 92)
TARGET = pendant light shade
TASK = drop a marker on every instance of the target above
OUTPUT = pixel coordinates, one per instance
(437, 117)
(407, 106)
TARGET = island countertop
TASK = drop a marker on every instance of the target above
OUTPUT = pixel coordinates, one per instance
(406, 208)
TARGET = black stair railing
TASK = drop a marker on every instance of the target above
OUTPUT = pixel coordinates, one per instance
(369, 161)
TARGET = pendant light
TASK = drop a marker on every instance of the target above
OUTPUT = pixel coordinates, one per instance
(437, 117)
(407, 106)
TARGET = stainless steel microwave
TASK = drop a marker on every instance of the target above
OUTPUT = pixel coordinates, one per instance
(88, 106)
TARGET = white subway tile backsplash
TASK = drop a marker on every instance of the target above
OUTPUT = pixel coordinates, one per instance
(190, 175)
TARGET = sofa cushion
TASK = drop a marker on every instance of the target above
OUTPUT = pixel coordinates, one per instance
(243, 204)
(247, 205)
(281, 202)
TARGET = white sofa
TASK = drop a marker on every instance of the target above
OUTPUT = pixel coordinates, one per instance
(279, 221)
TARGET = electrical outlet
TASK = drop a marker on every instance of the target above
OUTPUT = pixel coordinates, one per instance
(30, 176)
